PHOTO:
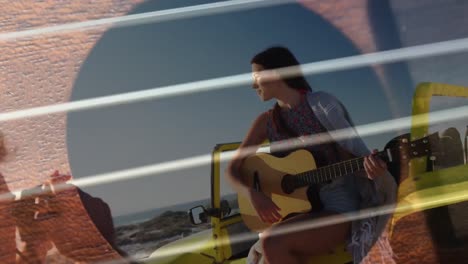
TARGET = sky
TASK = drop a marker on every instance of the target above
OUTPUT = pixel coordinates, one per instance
(153, 55)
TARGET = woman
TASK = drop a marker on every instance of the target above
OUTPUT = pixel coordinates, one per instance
(292, 118)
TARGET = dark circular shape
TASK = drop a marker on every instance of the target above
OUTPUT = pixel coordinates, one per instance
(153, 55)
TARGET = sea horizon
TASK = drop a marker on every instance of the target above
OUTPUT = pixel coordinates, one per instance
(138, 217)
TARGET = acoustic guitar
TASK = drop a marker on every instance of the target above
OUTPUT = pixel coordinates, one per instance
(285, 180)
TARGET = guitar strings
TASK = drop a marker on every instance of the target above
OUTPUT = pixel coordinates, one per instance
(344, 164)
(200, 160)
(422, 204)
(133, 20)
(321, 173)
(427, 50)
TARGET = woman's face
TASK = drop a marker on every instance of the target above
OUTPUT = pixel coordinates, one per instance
(264, 83)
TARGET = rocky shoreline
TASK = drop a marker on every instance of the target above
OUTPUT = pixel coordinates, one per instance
(141, 239)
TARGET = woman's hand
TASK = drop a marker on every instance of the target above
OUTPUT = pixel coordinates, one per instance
(266, 209)
(374, 166)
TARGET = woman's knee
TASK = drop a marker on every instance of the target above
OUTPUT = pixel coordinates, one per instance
(271, 243)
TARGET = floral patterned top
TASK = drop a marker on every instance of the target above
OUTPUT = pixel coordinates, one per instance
(303, 122)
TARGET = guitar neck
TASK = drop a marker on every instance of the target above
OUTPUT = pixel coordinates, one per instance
(331, 172)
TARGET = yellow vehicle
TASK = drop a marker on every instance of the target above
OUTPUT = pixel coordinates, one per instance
(228, 241)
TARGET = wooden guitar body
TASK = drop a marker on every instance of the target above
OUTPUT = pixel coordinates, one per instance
(265, 172)
(286, 180)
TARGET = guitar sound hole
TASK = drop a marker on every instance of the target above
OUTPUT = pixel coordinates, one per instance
(287, 184)
(256, 182)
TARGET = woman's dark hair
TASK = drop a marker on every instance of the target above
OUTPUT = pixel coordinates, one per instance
(279, 57)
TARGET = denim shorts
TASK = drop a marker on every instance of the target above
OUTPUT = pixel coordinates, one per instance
(340, 196)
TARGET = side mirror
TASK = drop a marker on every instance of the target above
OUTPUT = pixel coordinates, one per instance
(225, 208)
(198, 215)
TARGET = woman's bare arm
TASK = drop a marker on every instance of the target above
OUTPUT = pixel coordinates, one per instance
(252, 141)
